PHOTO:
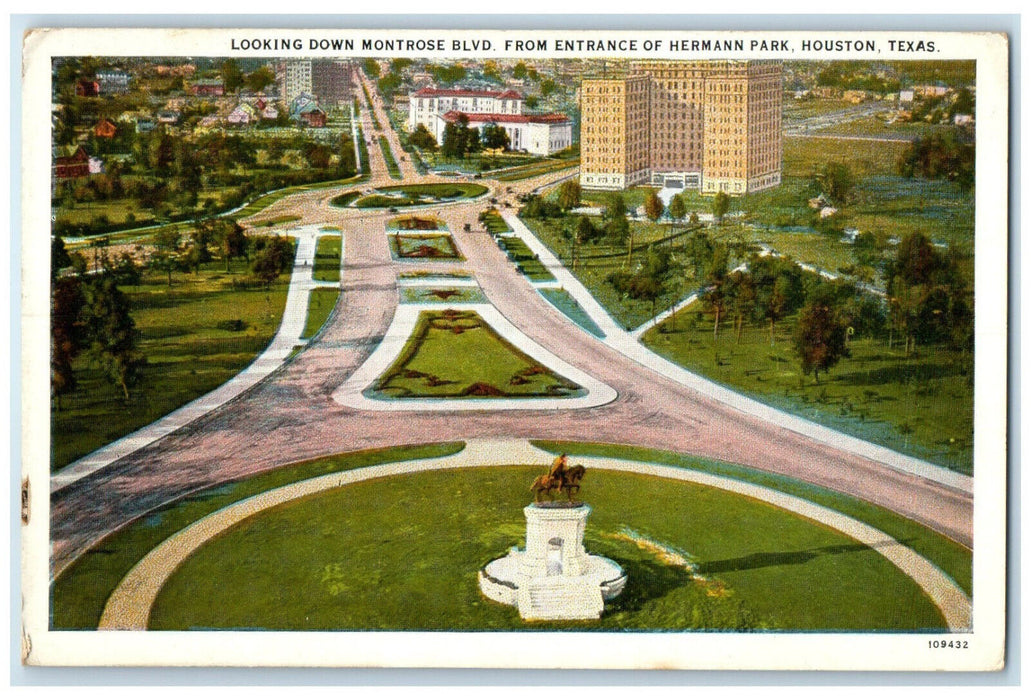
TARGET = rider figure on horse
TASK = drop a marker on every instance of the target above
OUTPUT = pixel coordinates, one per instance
(558, 467)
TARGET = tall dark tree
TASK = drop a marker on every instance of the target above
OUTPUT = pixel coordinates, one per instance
(653, 206)
(569, 193)
(677, 208)
(720, 206)
(65, 335)
(232, 76)
(820, 338)
(59, 257)
(836, 182)
(111, 333)
(273, 255)
(260, 79)
(495, 137)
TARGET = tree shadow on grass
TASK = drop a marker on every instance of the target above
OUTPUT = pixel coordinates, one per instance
(760, 560)
(917, 372)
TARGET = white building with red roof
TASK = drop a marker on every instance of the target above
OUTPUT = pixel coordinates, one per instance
(427, 105)
(539, 134)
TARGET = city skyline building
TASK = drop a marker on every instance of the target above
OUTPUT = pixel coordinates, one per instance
(714, 126)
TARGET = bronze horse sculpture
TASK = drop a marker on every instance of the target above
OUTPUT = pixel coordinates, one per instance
(561, 478)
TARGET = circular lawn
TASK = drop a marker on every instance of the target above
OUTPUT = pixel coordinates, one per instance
(403, 553)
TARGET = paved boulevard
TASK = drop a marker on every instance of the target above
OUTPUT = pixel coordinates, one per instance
(291, 416)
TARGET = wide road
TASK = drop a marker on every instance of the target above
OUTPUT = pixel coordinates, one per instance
(291, 415)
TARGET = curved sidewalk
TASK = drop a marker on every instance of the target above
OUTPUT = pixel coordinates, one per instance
(628, 345)
(130, 604)
(295, 314)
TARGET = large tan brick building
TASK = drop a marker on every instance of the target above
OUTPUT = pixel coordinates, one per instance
(708, 125)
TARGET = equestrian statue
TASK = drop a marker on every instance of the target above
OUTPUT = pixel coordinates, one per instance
(561, 478)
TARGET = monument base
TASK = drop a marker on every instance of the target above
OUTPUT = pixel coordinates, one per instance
(554, 578)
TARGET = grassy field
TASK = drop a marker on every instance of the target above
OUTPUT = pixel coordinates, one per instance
(321, 302)
(920, 405)
(596, 261)
(419, 195)
(456, 354)
(533, 170)
(79, 593)
(327, 259)
(196, 335)
(388, 157)
(951, 557)
(564, 302)
(750, 566)
(267, 200)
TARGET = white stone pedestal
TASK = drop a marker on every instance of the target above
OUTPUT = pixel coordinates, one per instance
(554, 578)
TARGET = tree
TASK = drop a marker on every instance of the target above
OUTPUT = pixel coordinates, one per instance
(273, 256)
(569, 194)
(720, 206)
(715, 295)
(836, 181)
(939, 155)
(167, 255)
(778, 288)
(741, 296)
(65, 335)
(677, 208)
(820, 338)
(371, 67)
(547, 87)
(531, 102)
(59, 257)
(111, 332)
(519, 71)
(228, 236)
(422, 138)
(491, 71)
(260, 79)
(232, 76)
(495, 137)
(653, 206)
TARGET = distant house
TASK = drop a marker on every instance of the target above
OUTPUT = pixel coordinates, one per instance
(963, 119)
(207, 87)
(208, 124)
(70, 162)
(242, 115)
(105, 129)
(95, 165)
(87, 88)
(113, 82)
(855, 96)
(931, 90)
(305, 109)
(314, 118)
(168, 116)
(906, 97)
(145, 125)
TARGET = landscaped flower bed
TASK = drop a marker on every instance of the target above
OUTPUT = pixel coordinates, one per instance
(456, 354)
(419, 247)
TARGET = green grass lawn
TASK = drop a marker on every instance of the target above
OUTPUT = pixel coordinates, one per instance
(495, 224)
(388, 157)
(564, 302)
(327, 259)
(321, 302)
(442, 295)
(392, 554)
(276, 220)
(533, 170)
(79, 593)
(441, 191)
(951, 557)
(456, 354)
(190, 338)
(526, 262)
(921, 406)
(424, 246)
(596, 261)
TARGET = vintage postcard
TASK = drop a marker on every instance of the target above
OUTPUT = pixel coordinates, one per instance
(556, 349)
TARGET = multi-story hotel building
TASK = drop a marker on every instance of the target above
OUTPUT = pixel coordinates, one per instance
(708, 125)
